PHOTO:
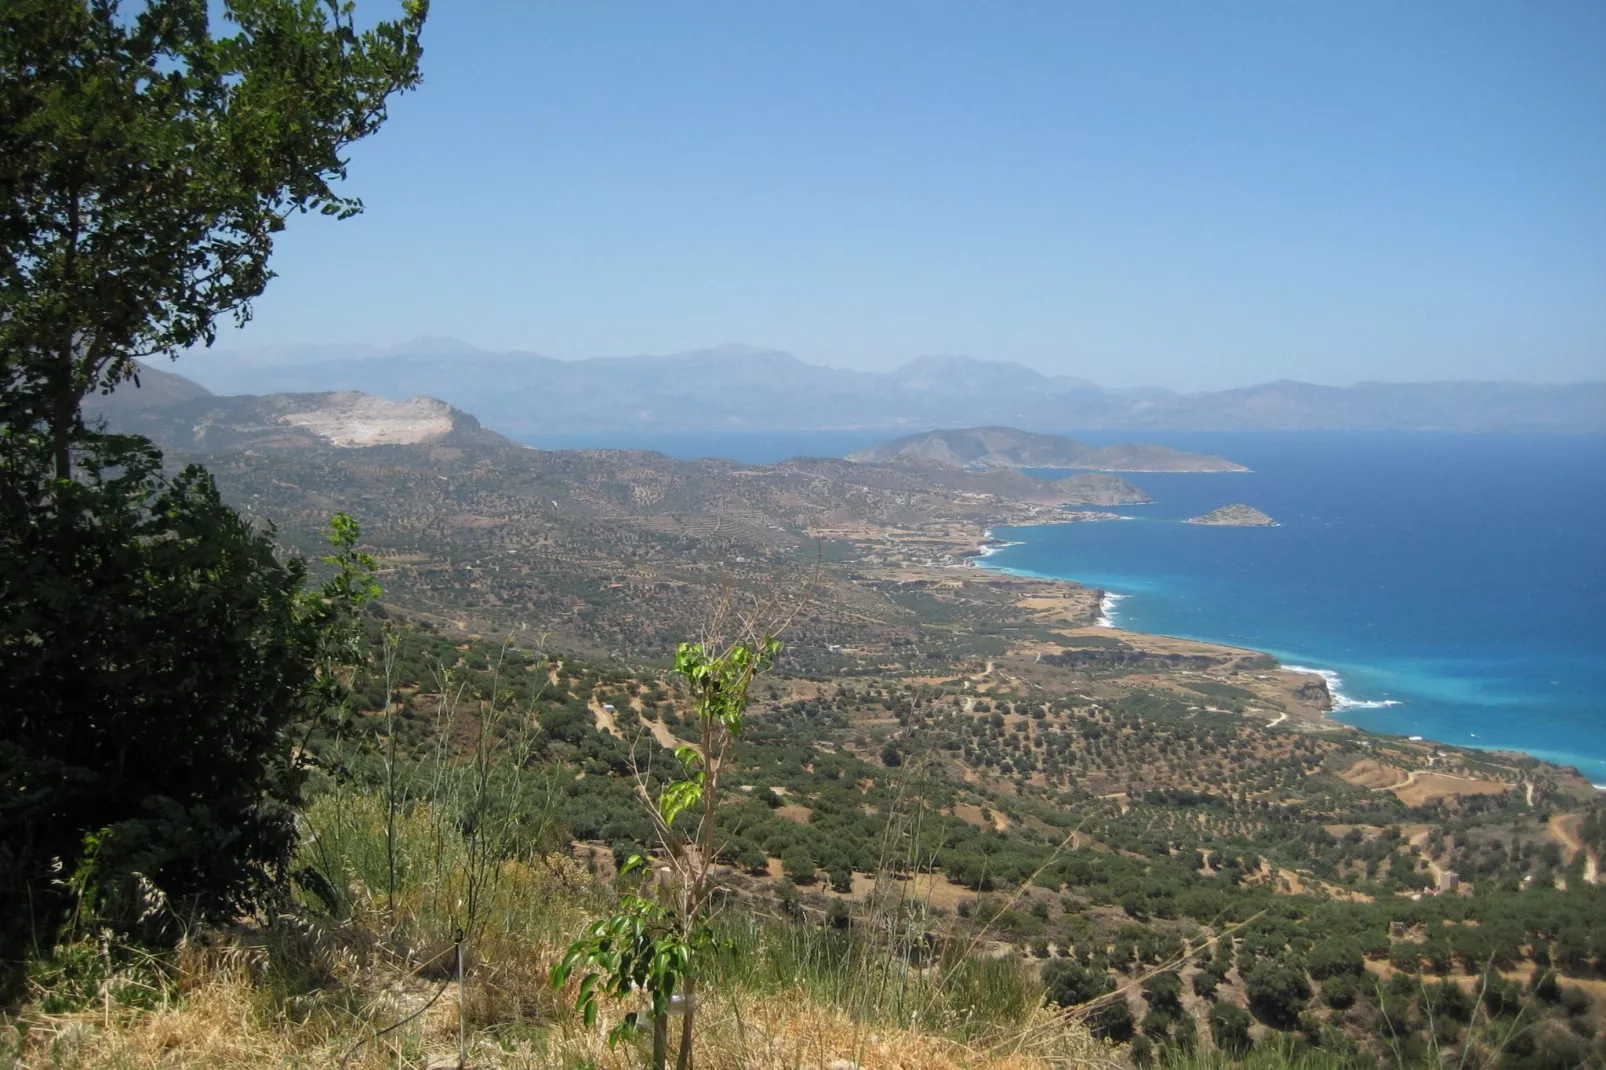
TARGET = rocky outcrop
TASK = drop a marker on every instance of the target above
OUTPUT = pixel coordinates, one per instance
(356, 419)
(1316, 691)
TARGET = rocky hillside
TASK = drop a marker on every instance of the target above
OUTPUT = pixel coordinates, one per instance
(1006, 447)
(615, 548)
(186, 419)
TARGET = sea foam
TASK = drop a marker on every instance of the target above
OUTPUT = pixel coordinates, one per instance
(1342, 701)
(1107, 605)
(989, 548)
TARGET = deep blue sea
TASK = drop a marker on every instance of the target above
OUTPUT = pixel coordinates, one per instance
(1456, 584)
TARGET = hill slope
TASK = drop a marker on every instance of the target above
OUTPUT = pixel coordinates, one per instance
(179, 418)
(617, 548)
(151, 389)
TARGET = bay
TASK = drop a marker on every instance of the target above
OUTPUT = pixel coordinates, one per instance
(1454, 584)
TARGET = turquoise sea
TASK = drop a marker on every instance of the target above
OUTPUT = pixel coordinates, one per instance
(1455, 585)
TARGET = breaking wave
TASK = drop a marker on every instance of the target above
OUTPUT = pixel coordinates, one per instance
(1107, 605)
(1342, 701)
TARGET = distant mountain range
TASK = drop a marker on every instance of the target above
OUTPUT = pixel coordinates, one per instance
(1005, 447)
(741, 387)
(180, 415)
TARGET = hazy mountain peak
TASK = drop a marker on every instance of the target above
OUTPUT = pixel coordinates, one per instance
(742, 349)
(434, 344)
(949, 364)
(736, 384)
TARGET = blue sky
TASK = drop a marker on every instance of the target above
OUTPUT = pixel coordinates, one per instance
(1188, 194)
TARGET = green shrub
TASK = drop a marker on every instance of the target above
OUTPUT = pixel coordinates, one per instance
(1339, 991)
(1277, 993)
(1229, 1028)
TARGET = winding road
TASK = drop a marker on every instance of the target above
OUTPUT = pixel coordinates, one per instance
(1563, 828)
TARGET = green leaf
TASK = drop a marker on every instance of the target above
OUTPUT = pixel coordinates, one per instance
(678, 797)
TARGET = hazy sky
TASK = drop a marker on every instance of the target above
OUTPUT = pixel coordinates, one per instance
(1189, 194)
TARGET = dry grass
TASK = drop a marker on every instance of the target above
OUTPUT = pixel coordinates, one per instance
(223, 1019)
(217, 1026)
(310, 991)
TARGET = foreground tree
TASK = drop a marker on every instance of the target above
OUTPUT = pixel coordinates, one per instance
(154, 652)
(653, 942)
(146, 165)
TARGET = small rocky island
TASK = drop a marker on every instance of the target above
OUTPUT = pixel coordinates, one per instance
(1235, 516)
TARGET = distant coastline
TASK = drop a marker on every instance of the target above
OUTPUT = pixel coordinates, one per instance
(1110, 601)
(1341, 702)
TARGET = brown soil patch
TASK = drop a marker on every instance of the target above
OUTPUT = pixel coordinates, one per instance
(1073, 606)
(1563, 828)
(606, 722)
(1419, 785)
(666, 739)
(800, 814)
(932, 888)
(1291, 882)
(1422, 787)
(1369, 774)
(971, 814)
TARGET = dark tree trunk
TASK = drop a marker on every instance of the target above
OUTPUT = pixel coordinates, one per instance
(684, 1062)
